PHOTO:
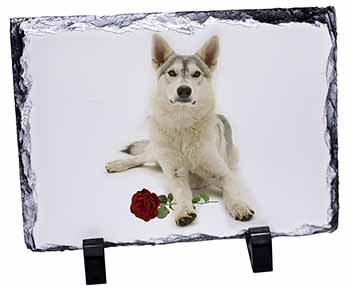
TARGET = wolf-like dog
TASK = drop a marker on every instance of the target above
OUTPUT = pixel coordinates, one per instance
(190, 142)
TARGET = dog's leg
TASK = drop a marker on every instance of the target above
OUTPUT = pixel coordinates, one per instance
(178, 182)
(214, 168)
(184, 209)
(233, 198)
(123, 165)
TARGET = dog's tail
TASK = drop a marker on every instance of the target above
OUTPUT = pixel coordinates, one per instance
(136, 148)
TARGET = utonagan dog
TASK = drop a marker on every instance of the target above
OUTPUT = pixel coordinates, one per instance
(191, 143)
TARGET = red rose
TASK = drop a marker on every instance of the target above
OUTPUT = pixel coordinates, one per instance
(144, 205)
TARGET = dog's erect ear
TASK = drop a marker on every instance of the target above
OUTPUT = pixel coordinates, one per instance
(160, 51)
(209, 52)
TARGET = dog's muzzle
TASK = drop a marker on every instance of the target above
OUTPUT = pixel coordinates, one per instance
(184, 93)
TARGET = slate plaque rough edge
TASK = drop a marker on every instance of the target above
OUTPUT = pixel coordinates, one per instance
(276, 16)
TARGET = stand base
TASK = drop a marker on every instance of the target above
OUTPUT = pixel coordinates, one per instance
(259, 243)
(94, 260)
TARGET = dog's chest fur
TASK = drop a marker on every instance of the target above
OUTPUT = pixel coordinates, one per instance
(186, 145)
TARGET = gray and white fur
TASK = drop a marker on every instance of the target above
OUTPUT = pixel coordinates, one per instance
(188, 140)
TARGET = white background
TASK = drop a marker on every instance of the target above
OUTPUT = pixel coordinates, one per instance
(317, 261)
(90, 97)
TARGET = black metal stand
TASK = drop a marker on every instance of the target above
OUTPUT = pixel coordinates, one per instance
(94, 260)
(259, 243)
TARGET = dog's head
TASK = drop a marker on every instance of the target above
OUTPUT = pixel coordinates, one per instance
(184, 80)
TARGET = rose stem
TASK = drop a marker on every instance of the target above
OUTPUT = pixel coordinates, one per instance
(170, 204)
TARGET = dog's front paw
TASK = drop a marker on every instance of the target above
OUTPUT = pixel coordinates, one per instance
(240, 210)
(185, 216)
(115, 167)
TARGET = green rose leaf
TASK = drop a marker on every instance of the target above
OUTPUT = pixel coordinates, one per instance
(163, 199)
(196, 200)
(170, 197)
(162, 212)
(205, 197)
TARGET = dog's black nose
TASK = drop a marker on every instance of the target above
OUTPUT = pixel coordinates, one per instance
(184, 91)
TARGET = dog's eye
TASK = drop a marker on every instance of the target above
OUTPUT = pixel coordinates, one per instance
(172, 73)
(196, 74)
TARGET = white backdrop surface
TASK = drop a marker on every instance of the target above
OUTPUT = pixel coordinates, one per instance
(90, 97)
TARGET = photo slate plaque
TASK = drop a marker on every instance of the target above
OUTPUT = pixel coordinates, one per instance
(169, 127)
